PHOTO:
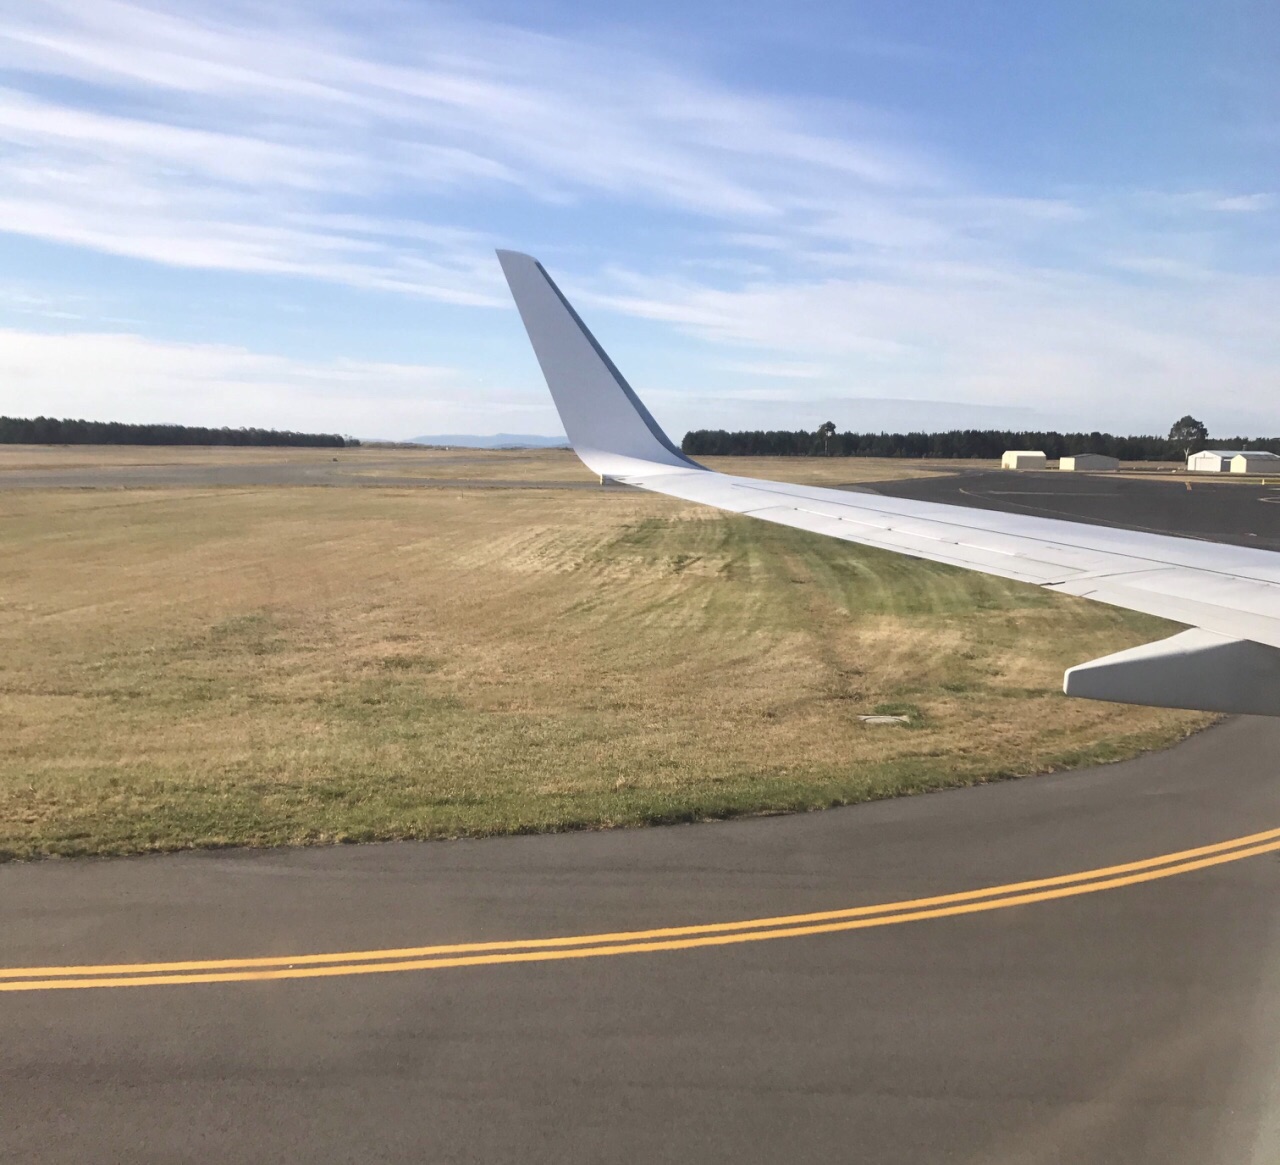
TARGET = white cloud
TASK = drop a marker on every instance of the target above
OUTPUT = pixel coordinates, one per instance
(780, 369)
(1245, 203)
(1181, 203)
(121, 377)
(860, 414)
(812, 244)
(205, 137)
(1080, 350)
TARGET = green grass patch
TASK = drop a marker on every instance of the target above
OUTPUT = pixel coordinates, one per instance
(298, 666)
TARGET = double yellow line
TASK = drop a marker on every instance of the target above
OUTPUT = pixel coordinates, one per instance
(677, 938)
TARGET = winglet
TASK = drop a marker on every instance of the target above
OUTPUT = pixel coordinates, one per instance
(608, 425)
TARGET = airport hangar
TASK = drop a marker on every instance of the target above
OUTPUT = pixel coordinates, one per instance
(1091, 462)
(1233, 461)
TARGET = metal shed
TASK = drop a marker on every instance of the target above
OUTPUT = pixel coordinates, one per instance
(1255, 462)
(1023, 459)
(1095, 462)
(1212, 460)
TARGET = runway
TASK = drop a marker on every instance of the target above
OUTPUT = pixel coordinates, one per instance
(1074, 968)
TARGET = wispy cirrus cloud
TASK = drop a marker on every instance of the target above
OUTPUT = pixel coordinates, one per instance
(218, 138)
(254, 137)
(1078, 348)
(776, 370)
(128, 377)
(814, 244)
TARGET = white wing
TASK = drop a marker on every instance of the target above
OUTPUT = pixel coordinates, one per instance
(1228, 595)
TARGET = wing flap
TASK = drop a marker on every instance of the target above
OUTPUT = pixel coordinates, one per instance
(1195, 669)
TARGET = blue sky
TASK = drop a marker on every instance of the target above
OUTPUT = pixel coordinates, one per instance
(890, 215)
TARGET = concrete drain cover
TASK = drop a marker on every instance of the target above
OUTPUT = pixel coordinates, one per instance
(885, 719)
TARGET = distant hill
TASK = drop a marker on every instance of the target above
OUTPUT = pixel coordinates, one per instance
(497, 441)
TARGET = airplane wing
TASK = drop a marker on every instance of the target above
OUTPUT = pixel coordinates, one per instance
(1228, 596)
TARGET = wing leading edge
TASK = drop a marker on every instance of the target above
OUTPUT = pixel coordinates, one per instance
(1229, 595)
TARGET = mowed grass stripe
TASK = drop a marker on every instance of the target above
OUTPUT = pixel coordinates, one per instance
(292, 666)
(1105, 877)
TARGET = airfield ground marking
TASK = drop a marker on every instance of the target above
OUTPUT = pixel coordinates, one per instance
(639, 942)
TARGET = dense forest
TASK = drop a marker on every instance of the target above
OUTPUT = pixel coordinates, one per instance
(51, 431)
(978, 443)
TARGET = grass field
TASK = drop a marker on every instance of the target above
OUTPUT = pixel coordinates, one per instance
(533, 465)
(183, 668)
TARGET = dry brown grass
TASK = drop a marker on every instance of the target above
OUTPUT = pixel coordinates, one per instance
(182, 667)
(101, 456)
(535, 465)
(531, 465)
(837, 471)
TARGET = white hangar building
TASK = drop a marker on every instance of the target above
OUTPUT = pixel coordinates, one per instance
(1095, 462)
(1212, 460)
(1255, 462)
(1023, 459)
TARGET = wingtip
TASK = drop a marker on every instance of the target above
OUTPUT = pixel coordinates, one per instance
(504, 254)
(607, 423)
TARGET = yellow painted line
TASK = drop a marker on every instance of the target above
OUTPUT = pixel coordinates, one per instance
(639, 942)
(639, 935)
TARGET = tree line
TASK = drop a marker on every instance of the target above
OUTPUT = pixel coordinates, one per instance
(985, 444)
(52, 431)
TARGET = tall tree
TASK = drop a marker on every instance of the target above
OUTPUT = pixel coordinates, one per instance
(826, 431)
(1188, 433)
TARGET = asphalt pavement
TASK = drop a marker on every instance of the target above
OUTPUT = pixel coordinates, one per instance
(1136, 1023)
(1218, 509)
(1123, 1007)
